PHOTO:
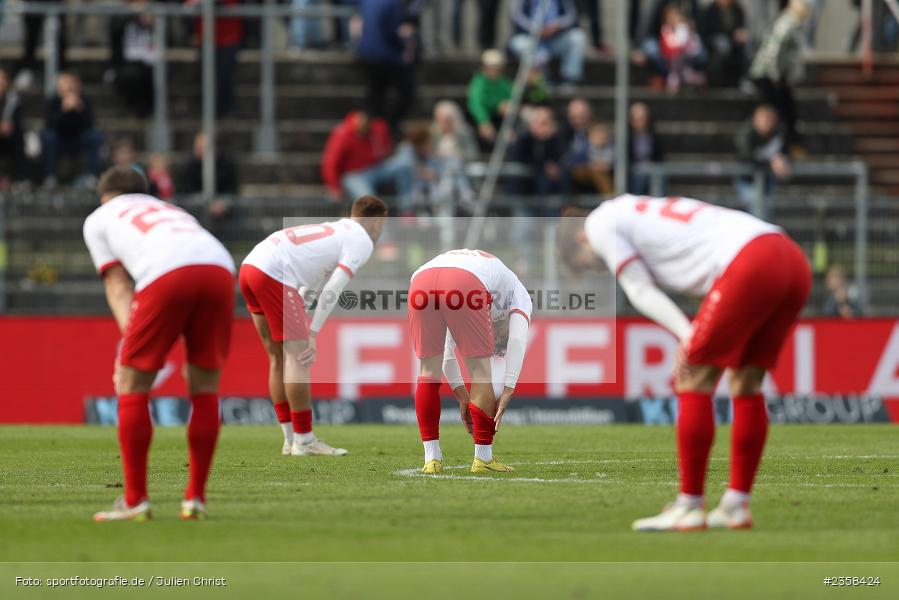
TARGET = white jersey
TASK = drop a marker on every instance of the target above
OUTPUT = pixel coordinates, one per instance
(149, 238)
(507, 292)
(306, 256)
(686, 244)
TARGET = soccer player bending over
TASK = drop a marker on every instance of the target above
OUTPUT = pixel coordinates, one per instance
(279, 275)
(183, 286)
(470, 300)
(755, 281)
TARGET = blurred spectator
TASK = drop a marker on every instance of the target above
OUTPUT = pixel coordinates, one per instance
(761, 142)
(536, 91)
(437, 23)
(34, 31)
(226, 175)
(560, 36)
(688, 8)
(306, 32)
(69, 129)
(342, 24)
(542, 149)
(12, 142)
(124, 154)
(489, 93)
(357, 159)
(644, 147)
(842, 298)
(162, 185)
(778, 65)
(229, 35)
(722, 26)
(676, 54)
(387, 50)
(579, 117)
(593, 10)
(454, 146)
(419, 150)
(487, 12)
(885, 34)
(594, 168)
(133, 53)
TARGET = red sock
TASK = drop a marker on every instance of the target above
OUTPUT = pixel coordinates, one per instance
(695, 434)
(135, 434)
(302, 420)
(483, 426)
(282, 411)
(747, 440)
(202, 433)
(427, 408)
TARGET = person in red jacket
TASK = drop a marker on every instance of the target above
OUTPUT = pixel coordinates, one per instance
(359, 159)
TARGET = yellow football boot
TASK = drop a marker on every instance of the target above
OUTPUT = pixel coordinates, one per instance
(494, 466)
(432, 467)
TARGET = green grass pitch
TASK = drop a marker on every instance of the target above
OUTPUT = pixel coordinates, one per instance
(366, 525)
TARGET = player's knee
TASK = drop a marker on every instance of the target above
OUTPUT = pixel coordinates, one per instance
(746, 382)
(132, 381)
(431, 368)
(202, 381)
(479, 369)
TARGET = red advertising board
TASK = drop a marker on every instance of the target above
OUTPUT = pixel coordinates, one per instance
(51, 364)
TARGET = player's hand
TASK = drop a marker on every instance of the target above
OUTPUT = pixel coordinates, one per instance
(307, 356)
(502, 404)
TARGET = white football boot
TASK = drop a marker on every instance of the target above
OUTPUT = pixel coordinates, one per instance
(193, 510)
(286, 448)
(316, 447)
(731, 516)
(122, 512)
(677, 516)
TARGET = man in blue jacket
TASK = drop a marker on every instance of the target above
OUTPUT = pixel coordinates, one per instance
(560, 36)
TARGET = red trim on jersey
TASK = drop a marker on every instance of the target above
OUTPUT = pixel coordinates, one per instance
(521, 312)
(626, 262)
(108, 265)
(346, 268)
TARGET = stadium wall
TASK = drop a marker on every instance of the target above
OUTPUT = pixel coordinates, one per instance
(59, 370)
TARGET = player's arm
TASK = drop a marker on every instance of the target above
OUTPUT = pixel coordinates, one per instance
(515, 350)
(637, 282)
(327, 300)
(453, 373)
(119, 293)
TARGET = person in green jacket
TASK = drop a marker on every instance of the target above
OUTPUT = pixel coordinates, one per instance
(488, 95)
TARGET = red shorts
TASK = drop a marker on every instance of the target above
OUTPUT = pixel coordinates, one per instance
(197, 302)
(443, 297)
(748, 314)
(281, 305)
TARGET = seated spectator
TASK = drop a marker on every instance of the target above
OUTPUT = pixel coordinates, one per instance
(159, 174)
(357, 160)
(133, 53)
(594, 169)
(762, 143)
(722, 26)
(419, 149)
(541, 148)
(842, 298)
(12, 141)
(560, 36)
(388, 49)
(536, 90)
(226, 175)
(454, 146)
(69, 129)
(489, 93)
(644, 147)
(124, 154)
(676, 54)
(580, 118)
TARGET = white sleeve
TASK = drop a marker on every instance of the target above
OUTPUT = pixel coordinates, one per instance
(521, 301)
(641, 290)
(97, 244)
(607, 235)
(355, 252)
(451, 369)
(518, 342)
(328, 298)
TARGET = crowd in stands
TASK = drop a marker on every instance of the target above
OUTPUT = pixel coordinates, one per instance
(682, 43)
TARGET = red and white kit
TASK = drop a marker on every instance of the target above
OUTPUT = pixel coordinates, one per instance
(297, 262)
(184, 279)
(754, 278)
(465, 292)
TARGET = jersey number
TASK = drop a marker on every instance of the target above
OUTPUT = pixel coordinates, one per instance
(140, 220)
(670, 210)
(323, 232)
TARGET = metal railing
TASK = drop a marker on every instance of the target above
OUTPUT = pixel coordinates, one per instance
(856, 170)
(208, 11)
